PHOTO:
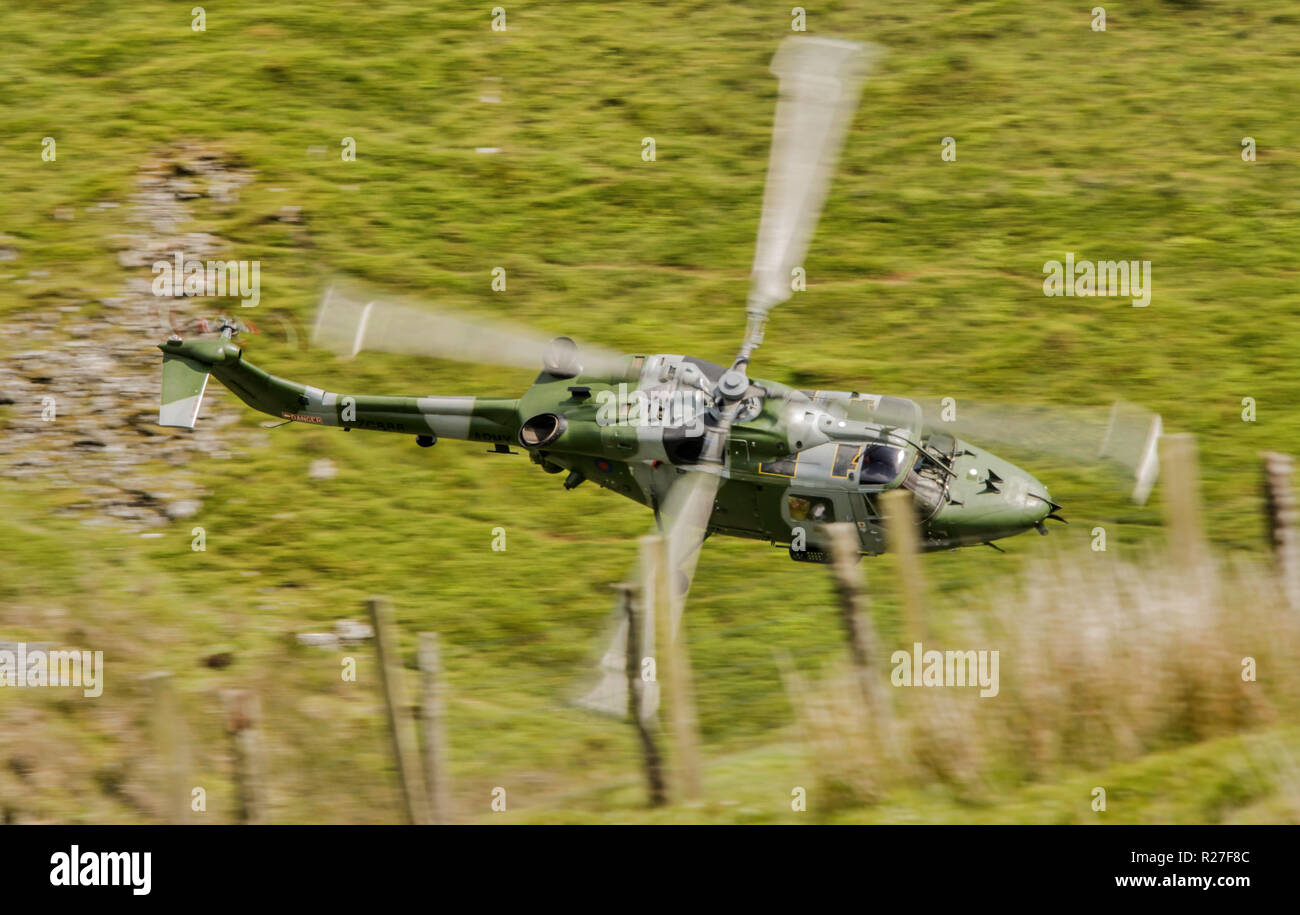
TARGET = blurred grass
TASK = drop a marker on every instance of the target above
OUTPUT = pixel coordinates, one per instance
(924, 277)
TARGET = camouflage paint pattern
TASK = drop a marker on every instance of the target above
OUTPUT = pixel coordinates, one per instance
(796, 460)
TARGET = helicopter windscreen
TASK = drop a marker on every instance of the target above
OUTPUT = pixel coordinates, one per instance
(881, 464)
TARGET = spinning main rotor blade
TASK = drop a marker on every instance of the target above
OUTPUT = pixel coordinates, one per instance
(684, 518)
(686, 512)
(352, 319)
(820, 82)
(1122, 435)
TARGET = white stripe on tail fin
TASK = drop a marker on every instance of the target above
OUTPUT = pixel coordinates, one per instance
(183, 384)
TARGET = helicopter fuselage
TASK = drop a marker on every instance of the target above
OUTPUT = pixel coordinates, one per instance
(796, 460)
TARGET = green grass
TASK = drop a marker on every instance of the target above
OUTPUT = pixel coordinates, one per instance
(1231, 780)
(923, 278)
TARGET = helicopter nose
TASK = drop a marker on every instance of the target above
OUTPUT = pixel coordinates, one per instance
(990, 498)
(1038, 505)
(1028, 500)
(1024, 505)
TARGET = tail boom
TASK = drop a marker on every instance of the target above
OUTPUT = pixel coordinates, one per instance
(187, 364)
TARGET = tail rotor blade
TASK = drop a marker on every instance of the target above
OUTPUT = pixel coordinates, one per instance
(1133, 440)
(1125, 436)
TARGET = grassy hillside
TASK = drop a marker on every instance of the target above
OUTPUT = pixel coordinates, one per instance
(925, 277)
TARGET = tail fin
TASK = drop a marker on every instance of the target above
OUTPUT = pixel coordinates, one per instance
(183, 384)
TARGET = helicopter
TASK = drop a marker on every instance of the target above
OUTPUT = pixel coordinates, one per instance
(710, 449)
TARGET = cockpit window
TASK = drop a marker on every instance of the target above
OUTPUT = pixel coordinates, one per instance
(881, 464)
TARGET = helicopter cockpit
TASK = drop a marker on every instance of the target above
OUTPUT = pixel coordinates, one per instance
(920, 473)
(881, 464)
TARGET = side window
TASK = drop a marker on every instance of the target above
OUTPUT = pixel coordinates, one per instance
(846, 460)
(811, 508)
(782, 468)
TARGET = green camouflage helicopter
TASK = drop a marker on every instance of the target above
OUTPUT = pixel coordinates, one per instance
(708, 448)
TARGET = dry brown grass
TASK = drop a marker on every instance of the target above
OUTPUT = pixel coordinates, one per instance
(1101, 660)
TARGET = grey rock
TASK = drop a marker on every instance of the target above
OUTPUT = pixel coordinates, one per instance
(182, 508)
(322, 469)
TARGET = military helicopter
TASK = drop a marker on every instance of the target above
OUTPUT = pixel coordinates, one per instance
(709, 448)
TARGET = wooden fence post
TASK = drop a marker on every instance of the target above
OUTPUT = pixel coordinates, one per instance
(400, 724)
(635, 692)
(672, 669)
(1283, 519)
(170, 743)
(863, 643)
(432, 714)
(857, 624)
(900, 521)
(243, 713)
(1181, 500)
